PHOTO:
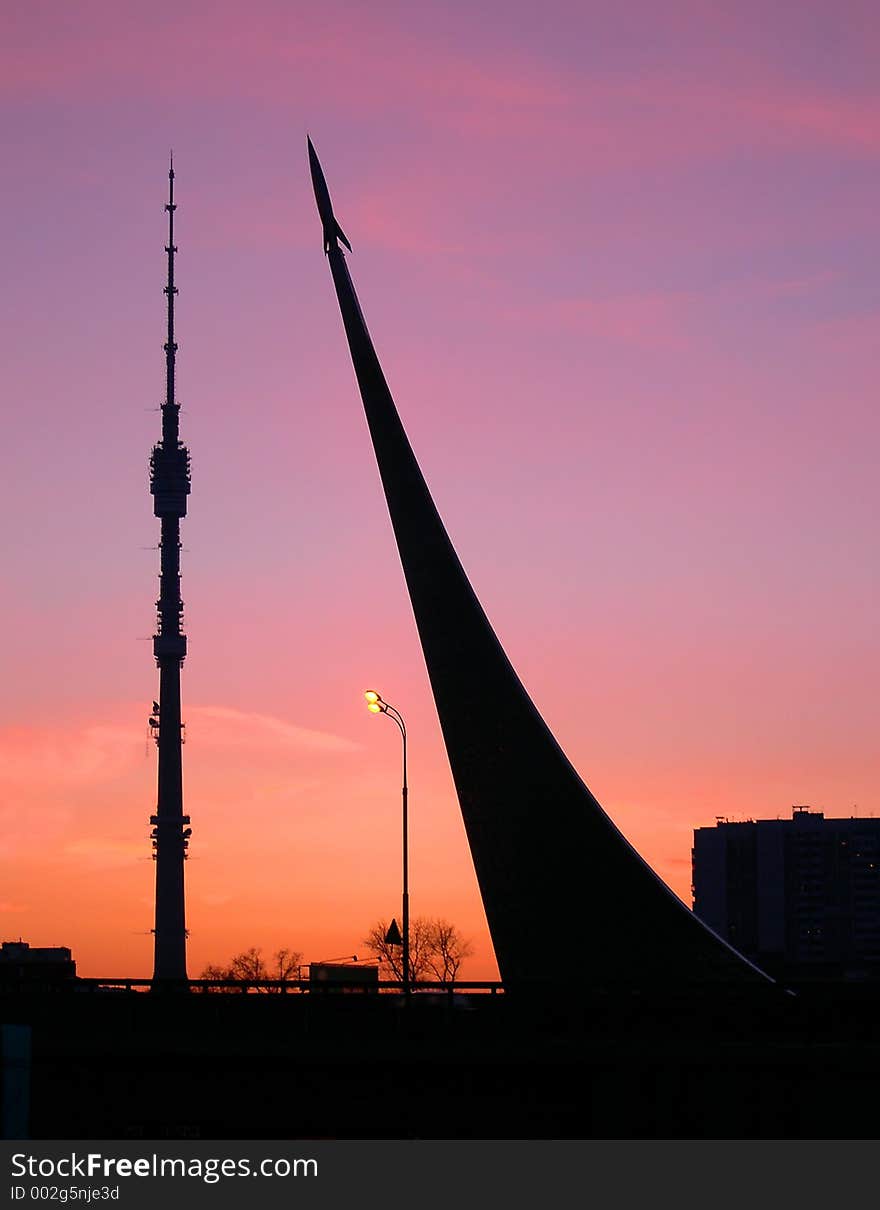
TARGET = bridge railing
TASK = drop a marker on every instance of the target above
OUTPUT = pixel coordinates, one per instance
(293, 986)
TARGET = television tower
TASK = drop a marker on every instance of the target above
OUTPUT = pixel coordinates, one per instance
(169, 485)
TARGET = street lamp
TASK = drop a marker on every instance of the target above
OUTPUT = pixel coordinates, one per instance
(376, 705)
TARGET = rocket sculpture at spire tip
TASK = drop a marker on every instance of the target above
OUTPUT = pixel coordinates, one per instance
(332, 230)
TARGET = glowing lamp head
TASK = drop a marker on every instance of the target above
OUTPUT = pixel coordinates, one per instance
(374, 708)
(372, 696)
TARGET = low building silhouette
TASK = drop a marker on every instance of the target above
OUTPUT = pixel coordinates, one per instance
(343, 977)
(21, 962)
(799, 896)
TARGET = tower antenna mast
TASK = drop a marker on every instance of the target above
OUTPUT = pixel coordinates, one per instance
(169, 485)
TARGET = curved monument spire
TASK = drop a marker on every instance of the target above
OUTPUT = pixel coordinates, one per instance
(562, 888)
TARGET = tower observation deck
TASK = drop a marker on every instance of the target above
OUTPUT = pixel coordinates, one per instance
(169, 485)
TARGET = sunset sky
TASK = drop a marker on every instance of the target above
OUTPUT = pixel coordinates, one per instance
(620, 263)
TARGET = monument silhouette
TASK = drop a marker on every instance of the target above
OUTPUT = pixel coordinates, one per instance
(563, 890)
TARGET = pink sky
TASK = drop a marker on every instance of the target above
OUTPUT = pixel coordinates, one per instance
(620, 264)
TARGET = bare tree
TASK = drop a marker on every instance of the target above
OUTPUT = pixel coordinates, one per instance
(391, 956)
(448, 950)
(216, 974)
(250, 966)
(286, 965)
(436, 950)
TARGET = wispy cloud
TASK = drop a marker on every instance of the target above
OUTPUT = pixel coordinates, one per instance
(499, 91)
(229, 727)
(67, 753)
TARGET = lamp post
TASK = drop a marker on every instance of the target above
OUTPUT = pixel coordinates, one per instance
(376, 705)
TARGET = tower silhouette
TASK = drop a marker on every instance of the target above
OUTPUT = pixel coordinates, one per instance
(169, 485)
(562, 888)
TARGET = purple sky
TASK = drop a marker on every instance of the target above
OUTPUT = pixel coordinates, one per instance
(621, 266)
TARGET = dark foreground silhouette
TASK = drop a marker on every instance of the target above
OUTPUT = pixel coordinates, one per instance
(567, 1064)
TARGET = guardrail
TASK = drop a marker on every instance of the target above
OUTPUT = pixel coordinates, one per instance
(287, 986)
